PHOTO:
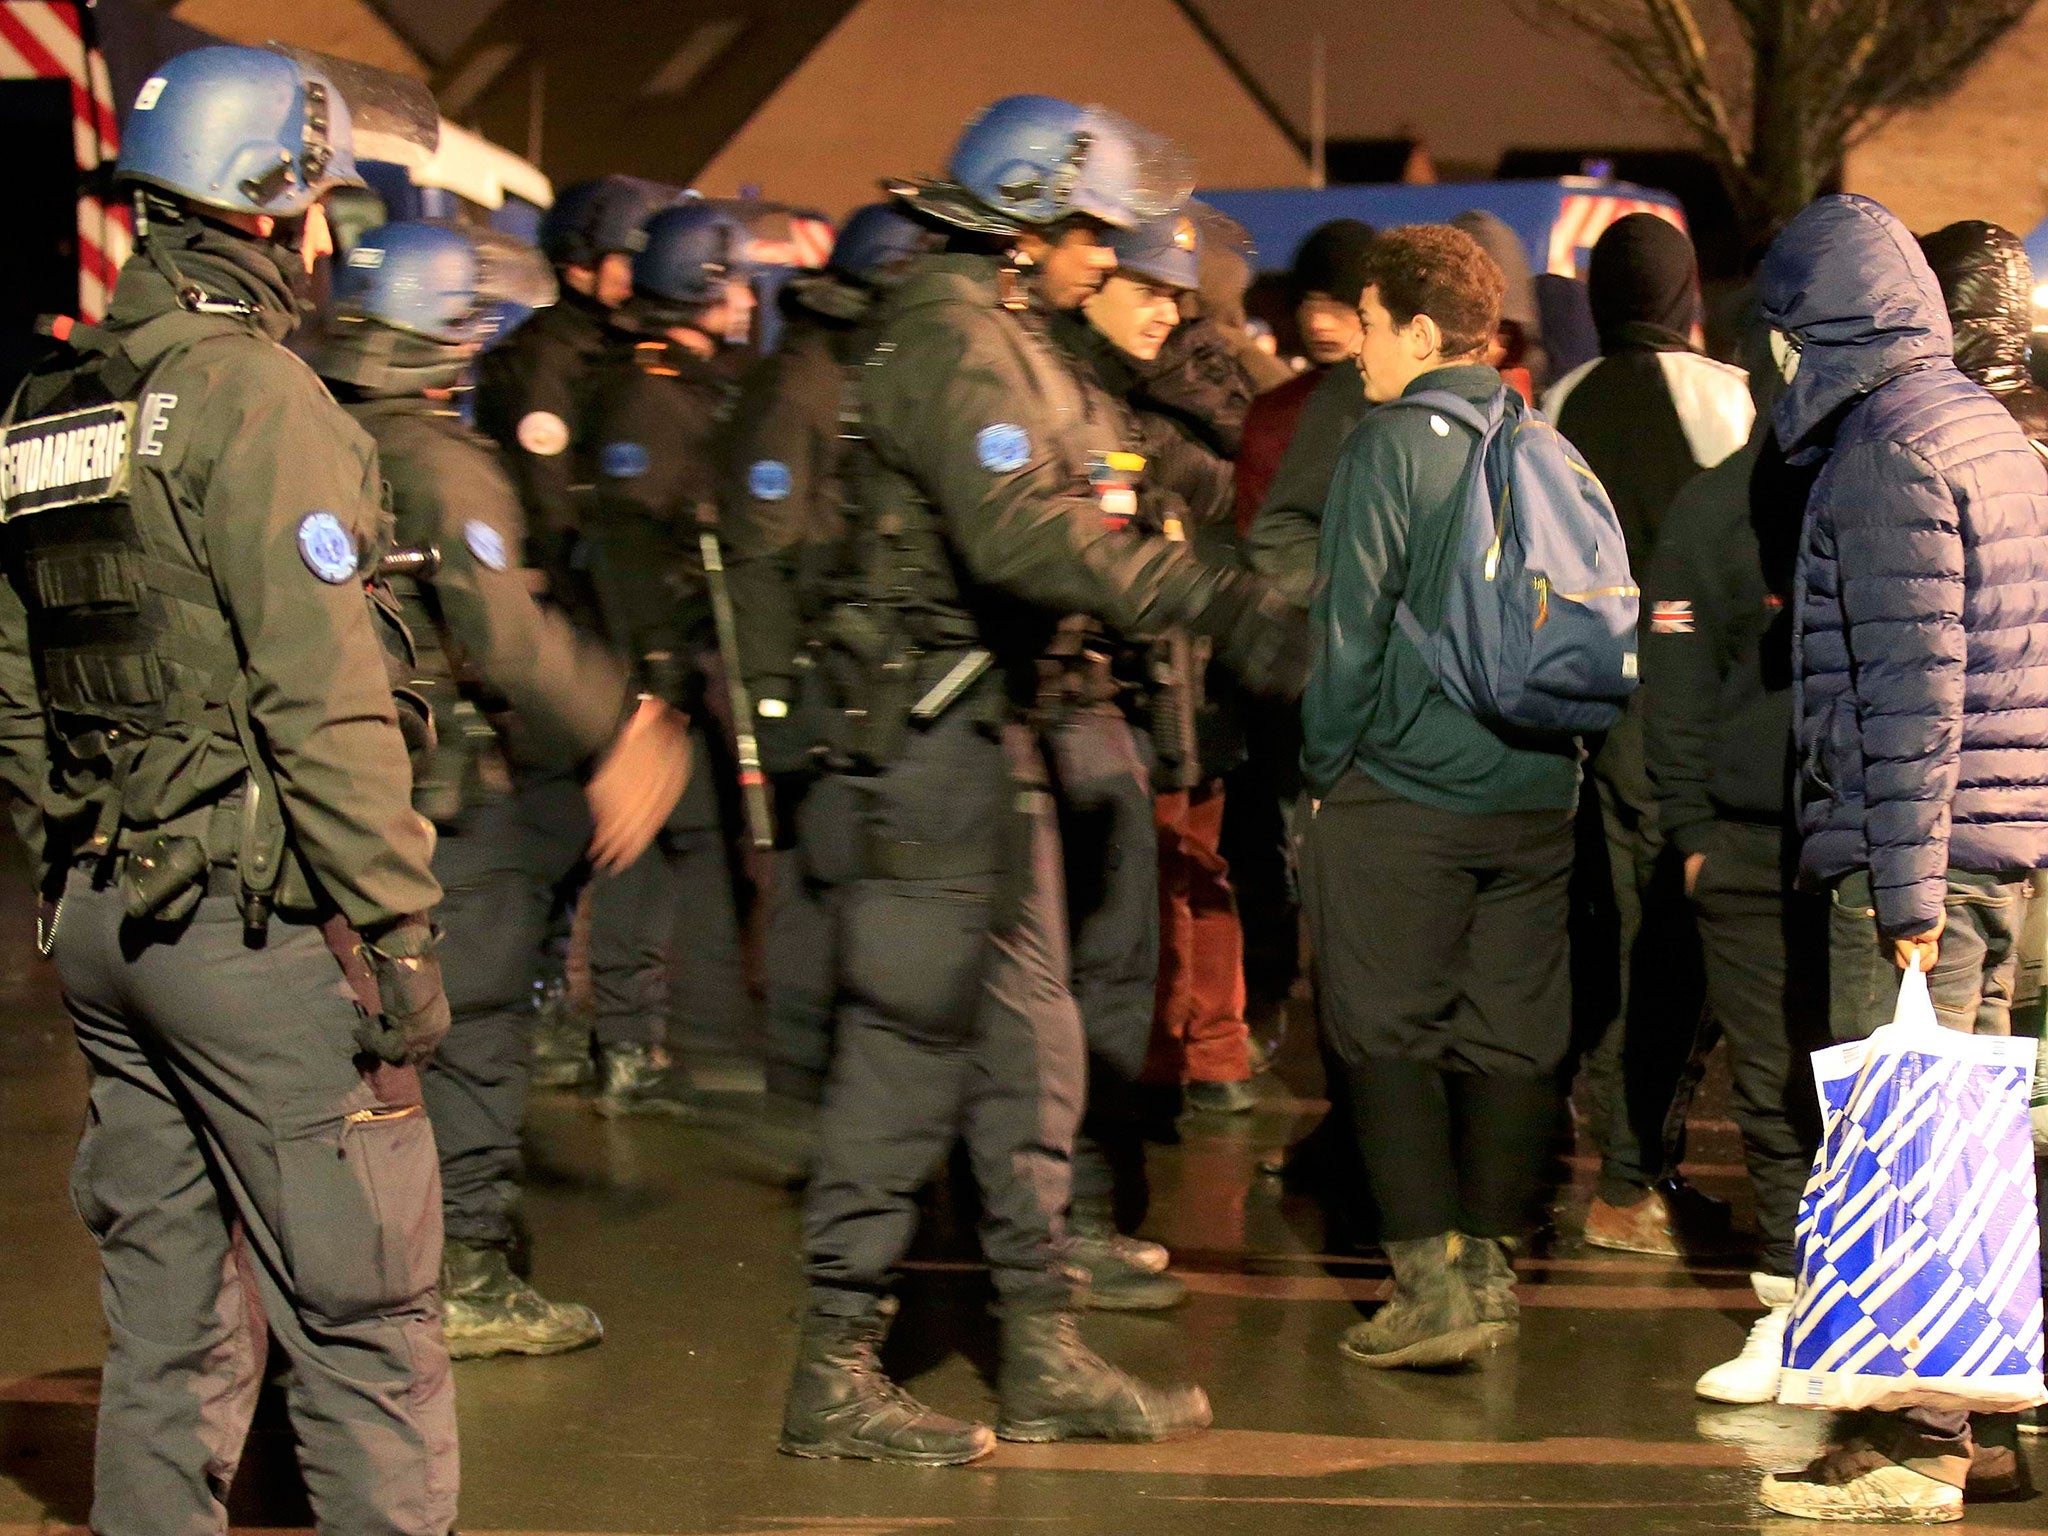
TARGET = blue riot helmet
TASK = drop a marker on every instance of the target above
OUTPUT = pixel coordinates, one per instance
(688, 253)
(1165, 250)
(407, 311)
(876, 239)
(1027, 162)
(590, 219)
(412, 277)
(267, 130)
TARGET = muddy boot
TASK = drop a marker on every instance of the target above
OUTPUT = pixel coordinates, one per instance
(1488, 1265)
(1051, 1386)
(841, 1405)
(1433, 1320)
(638, 1080)
(487, 1310)
(561, 1038)
(1125, 1274)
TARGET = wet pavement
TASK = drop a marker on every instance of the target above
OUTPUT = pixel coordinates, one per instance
(684, 1243)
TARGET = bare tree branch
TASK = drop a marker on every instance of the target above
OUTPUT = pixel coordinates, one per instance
(1838, 70)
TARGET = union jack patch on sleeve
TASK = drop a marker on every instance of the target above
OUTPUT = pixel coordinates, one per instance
(1672, 616)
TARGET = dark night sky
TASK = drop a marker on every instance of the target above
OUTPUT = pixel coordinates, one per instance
(1469, 76)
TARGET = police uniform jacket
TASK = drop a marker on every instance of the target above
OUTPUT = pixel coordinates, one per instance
(530, 393)
(651, 441)
(497, 648)
(974, 482)
(256, 507)
(780, 512)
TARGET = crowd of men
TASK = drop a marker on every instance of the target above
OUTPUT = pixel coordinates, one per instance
(1015, 595)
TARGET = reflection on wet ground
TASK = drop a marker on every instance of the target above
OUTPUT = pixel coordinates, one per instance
(684, 1243)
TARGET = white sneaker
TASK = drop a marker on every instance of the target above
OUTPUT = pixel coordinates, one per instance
(1883, 1494)
(1752, 1376)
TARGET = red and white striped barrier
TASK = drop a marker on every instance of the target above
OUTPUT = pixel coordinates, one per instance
(46, 40)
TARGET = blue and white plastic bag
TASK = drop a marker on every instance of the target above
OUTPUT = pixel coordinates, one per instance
(1919, 1268)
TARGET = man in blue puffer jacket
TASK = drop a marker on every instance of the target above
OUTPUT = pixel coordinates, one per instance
(1921, 706)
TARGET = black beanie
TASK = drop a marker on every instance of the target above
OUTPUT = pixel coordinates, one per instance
(1332, 260)
(1644, 284)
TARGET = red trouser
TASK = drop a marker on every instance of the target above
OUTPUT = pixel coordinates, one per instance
(1198, 1028)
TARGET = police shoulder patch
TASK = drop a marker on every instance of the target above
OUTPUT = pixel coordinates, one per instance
(326, 547)
(768, 480)
(1002, 447)
(623, 460)
(542, 434)
(486, 543)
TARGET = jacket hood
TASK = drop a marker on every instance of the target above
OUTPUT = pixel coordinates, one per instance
(1512, 257)
(1849, 281)
(1988, 285)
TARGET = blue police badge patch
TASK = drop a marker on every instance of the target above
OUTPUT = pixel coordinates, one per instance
(623, 461)
(486, 543)
(768, 480)
(1002, 448)
(326, 547)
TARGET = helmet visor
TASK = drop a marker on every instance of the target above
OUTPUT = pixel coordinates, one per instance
(1122, 173)
(392, 117)
(509, 271)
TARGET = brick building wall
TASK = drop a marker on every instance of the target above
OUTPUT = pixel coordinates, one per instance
(1980, 154)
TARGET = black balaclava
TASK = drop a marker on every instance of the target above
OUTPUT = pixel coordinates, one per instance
(1644, 284)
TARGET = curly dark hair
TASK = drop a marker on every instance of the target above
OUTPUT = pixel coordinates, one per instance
(1442, 272)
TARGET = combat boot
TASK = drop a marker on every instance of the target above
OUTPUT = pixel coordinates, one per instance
(841, 1404)
(1051, 1386)
(561, 1038)
(1125, 1274)
(487, 1310)
(1433, 1319)
(637, 1080)
(1488, 1265)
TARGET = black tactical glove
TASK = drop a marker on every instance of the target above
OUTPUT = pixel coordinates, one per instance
(414, 1016)
(1260, 635)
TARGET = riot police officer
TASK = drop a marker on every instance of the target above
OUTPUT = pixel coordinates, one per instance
(783, 531)
(657, 401)
(523, 702)
(531, 386)
(978, 530)
(1122, 716)
(214, 750)
(1187, 395)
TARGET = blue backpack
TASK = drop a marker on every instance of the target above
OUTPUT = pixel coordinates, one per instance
(1538, 632)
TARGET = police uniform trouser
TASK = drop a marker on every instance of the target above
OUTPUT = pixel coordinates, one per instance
(500, 867)
(242, 1176)
(664, 937)
(956, 1022)
(1103, 785)
(802, 941)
